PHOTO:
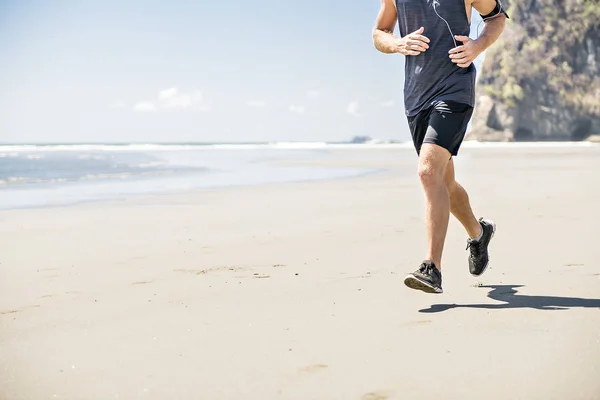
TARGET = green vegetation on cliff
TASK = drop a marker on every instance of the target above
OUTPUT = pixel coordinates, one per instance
(540, 54)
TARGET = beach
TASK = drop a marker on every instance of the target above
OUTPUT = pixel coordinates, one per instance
(294, 290)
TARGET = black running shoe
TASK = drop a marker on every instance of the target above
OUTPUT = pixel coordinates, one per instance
(479, 257)
(427, 278)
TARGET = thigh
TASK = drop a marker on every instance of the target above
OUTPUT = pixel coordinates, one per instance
(449, 174)
(448, 125)
(433, 160)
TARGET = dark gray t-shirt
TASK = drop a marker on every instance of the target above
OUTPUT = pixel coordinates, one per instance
(432, 76)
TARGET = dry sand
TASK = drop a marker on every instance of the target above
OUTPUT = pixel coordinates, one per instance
(295, 291)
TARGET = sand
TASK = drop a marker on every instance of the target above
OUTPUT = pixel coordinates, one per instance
(294, 291)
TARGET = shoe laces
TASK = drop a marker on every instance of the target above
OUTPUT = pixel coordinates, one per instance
(427, 268)
(473, 245)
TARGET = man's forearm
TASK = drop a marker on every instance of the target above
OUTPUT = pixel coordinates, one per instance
(384, 41)
(491, 32)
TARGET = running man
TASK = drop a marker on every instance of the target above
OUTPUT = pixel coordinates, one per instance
(439, 96)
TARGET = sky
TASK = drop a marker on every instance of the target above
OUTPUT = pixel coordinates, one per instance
(195, 71)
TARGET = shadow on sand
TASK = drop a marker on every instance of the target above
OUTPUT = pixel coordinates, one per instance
(508, 295)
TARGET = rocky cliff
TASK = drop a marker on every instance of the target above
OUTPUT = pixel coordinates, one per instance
(541, 80)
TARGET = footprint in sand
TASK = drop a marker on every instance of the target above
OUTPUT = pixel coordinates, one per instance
(19, 309)
(213, 269)
(314, 368)
(419, 322)
(379, 395)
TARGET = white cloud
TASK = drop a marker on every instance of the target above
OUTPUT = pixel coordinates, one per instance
(352, 108)
(256, 103)
(144, 106)
(167, 93)
(297, 109)
(313, 94)
(173, 98)
(389, 103)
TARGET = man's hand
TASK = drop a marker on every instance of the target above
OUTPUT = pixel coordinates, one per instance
(412, 44)
(464, 55)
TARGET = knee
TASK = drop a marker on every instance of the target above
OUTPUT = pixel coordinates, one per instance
(430, 176)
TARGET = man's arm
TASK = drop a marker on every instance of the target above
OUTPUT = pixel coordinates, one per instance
(494, 26)
(384, 39)
(464, 55)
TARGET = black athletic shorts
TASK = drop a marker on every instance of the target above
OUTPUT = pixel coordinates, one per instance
(444, 124)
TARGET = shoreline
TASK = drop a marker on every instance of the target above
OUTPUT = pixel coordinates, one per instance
(195, 192)
(404, 163)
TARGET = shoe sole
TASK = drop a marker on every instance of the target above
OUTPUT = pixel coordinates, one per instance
(417, 284)
(488, 263)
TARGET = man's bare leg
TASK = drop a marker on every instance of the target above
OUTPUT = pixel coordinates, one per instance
(433, 160)
(480, 232)
(459, 203)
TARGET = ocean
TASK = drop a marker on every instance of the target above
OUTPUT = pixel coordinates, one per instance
(62, 174)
